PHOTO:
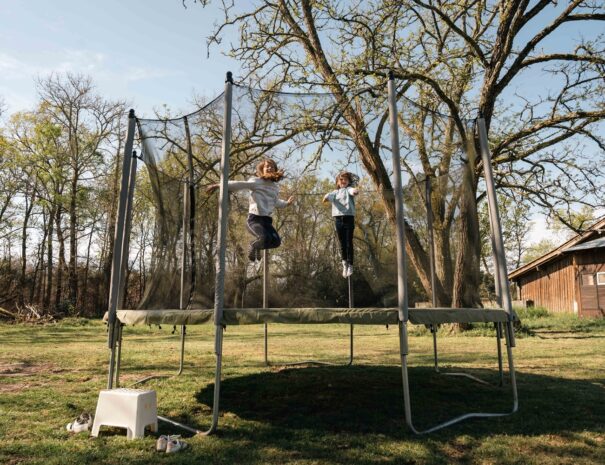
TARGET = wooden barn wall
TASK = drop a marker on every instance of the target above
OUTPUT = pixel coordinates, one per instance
(552, 286)
(591, 260)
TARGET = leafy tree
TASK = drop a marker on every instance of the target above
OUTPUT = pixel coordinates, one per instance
(452, 58)
(87, 121)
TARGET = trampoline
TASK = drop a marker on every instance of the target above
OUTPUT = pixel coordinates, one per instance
(184, 292)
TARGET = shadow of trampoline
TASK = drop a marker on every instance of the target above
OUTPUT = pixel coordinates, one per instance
(369, 399)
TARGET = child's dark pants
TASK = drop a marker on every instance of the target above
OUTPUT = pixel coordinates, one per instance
(345, 225)
(264, 232)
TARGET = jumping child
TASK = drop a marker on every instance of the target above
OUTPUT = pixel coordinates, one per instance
(263, 200)
(343, 211)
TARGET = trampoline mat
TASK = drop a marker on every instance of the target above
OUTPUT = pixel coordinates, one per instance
(357, 316)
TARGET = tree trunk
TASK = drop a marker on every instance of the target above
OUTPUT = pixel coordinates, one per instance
(46, 303)
(73, 245)
(61, 265)
(29, 205)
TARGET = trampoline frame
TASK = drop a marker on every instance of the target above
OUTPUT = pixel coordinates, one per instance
(121, 244)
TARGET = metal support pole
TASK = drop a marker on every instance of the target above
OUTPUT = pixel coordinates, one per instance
(499, 346)
(402, 298)
(429, 220)
(351, 305)
(125, 251)
(266, 300)
(126, 241)
(119, 233)
(496, 229)
(403, 337)
(184, 300)
(119, 330)
(223, 212)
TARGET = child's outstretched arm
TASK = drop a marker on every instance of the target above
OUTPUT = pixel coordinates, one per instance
(284, 203)
(234, 186)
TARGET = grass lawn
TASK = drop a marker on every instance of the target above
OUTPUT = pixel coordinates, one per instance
(310, 415)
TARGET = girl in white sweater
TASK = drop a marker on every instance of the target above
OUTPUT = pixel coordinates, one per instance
(264, 198)
(343, 212)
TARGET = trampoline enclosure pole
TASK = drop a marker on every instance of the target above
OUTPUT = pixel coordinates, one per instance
(401, 272)
(266, 300)
(398, 190)
(116, 264)
(223, 212)
(496, 228)
(128, 227)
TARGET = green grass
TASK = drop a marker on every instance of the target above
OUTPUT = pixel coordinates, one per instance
(310, 415)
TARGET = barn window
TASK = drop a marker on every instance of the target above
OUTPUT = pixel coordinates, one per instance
(588, 279)
(601, 279)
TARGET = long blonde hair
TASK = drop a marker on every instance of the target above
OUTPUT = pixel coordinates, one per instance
(276, 176)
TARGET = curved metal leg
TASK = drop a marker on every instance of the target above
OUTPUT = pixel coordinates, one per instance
(468, 375)
(181, 361)
(217, 391)
(406, 387)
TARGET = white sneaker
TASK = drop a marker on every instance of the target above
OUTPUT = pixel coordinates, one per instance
(345, 269)
(161, 443)
(175, 444)
(82, 423)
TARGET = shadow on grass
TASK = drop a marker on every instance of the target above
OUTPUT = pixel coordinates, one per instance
(370, 400)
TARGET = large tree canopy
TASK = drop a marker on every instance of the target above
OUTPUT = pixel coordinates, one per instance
(457, 58)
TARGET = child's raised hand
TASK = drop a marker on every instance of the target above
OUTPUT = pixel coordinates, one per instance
(290, 200)
(211, 188)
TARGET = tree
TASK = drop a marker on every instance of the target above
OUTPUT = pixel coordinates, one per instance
(87, 121)
(451, 58)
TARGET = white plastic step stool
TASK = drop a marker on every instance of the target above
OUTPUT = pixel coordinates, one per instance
(133, 409)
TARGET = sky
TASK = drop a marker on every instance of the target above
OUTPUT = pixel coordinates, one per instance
(148, 53)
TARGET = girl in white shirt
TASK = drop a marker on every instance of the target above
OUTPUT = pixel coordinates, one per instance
(343, 211)
(264, 198)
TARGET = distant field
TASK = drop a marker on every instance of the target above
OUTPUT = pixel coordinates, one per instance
(310, 415)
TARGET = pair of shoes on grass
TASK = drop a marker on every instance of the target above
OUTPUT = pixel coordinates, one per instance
(347, 269)
(170, 444)
(82, 423)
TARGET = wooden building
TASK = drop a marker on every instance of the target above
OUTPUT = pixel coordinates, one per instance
(570, 278)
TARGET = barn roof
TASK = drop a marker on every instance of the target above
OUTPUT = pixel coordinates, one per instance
(586, 240)
(594, 244)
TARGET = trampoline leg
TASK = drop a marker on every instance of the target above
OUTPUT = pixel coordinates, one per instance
(112, 355)
(511, 366)
(499, 345)
(266, 345)
(182, 359)
(217, 391)
(217, 381)
(434, 332)
(119, 358)
(351, 348)
(407, 404)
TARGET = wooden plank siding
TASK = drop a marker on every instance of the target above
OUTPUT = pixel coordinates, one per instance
(592, 301)
(551, 286)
